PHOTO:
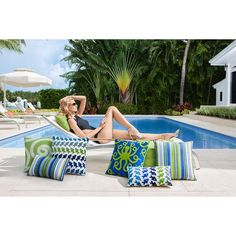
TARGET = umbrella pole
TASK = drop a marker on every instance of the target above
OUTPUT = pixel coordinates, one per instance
(4, 97)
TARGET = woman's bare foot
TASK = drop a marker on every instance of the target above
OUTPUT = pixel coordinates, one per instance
(134, 133)
(168, 136)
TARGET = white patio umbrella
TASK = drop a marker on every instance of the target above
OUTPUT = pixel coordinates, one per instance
(22, 77)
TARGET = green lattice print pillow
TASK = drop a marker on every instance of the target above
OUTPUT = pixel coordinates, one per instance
(127, 153)
(34, 147)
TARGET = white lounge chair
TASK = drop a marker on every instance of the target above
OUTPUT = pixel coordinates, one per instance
(27, 116)
(91, 144)
(30, 105)
(7, 119)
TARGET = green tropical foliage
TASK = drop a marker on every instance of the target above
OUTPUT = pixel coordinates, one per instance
(222, 112)
(12, 44)
(49, 98)
(32, 97)
(145, 73)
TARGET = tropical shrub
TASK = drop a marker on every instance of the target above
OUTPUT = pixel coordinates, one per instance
(181, 108)
(123, 108)
(222, 112)
(171, 112)
(32, 97)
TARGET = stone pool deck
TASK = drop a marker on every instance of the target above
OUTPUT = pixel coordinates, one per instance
(217, 176)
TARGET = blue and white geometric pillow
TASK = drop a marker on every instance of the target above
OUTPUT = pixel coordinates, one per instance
(139, 176)
(74, 149)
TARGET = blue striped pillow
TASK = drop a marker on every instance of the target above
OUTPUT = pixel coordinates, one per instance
(48, 167)
(178, 156)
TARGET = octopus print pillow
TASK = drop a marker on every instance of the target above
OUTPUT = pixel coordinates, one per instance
(127, 153)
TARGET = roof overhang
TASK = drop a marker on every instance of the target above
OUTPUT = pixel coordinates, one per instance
(220, 83)
(226, 56)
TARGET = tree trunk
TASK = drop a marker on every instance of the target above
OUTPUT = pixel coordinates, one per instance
(125, 97)
(183, 73)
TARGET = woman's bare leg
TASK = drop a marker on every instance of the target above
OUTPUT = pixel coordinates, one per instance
(118, 117)
(107, 131)
(123, 134)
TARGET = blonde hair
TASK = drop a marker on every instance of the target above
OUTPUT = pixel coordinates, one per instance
(64, 103)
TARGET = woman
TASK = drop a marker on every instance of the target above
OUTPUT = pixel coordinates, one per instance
(104, 133)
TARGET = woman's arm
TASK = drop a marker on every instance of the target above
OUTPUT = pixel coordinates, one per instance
(80, 133)
(82, 100)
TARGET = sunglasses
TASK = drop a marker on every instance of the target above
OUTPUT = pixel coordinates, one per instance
(73, 104)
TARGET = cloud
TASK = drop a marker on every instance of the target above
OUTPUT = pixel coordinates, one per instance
(54, 74)
(43, 56)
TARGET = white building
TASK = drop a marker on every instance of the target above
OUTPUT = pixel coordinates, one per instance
(226, 88)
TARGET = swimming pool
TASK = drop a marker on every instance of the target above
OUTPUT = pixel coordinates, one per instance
(202, 138)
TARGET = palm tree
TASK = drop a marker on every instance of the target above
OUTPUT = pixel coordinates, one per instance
(123, 72)
(96, 83)
(12, 44)
(183, 72)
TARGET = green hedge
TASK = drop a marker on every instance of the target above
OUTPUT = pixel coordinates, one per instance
(49, 98)
(125, 109)
(222, 112)
(32, 97)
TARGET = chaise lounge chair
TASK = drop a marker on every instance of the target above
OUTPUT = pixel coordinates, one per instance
(27, 116)
(32, 108)
(6, 119)
(91, 144)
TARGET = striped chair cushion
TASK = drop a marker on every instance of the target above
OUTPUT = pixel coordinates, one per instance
(48, 167)
(149, 176)
(178, 156)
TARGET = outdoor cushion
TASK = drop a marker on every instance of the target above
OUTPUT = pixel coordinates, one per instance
(127, 153)
(36, 146)
(178, 156)
(48, 167)
(149, 176)
(150, 159)
(62, 121)
(73, 149)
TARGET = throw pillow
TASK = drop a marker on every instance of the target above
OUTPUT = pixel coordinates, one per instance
(127, 153)
(74, 149)
(149, 176)
(62, 121)
(178, 156)
(36, 146)
(150, 159)
(48, 167)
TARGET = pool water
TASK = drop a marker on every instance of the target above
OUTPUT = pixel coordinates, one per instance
(202, 138)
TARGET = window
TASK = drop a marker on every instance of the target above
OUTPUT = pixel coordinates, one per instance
(221, 96)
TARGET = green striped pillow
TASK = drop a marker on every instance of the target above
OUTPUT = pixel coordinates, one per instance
(49, 167)
(178, 156)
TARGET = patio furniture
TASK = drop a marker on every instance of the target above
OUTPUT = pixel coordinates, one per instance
(6, 119)
(91, 144)
(32, 108)
(28, 116)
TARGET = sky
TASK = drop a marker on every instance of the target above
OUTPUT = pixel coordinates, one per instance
(43, 57)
